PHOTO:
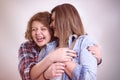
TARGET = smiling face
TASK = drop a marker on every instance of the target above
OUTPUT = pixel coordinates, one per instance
(40, 33)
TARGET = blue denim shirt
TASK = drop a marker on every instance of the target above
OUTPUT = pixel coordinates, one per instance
(86, 68)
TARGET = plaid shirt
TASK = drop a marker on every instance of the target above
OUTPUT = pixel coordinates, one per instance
(28, 54)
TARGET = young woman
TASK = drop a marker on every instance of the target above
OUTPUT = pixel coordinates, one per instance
(68, 28)
(38, 34)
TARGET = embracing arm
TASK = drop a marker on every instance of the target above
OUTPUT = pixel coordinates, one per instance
(58, 64)
(54, 70)
(26, 60)
(40, 67)
(28, 66)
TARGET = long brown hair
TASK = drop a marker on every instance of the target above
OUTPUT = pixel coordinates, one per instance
(44, 18)
(67, 22)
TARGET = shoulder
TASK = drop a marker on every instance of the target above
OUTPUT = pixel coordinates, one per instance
(51, 45)
(86, 40)
(27, 49)
(27, 44)
(85, 37)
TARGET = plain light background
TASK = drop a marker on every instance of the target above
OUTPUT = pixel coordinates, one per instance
(101, 19)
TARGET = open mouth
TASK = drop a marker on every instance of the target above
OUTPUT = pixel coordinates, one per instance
(40, 38)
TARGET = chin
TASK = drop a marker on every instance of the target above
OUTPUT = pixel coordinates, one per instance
(40, 44)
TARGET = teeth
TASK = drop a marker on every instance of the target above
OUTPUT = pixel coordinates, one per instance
(40, 37)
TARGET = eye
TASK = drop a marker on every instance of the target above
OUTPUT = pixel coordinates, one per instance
(43, 29)
(34, 29)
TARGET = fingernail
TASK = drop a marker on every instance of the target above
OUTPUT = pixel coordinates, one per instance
(87, 47)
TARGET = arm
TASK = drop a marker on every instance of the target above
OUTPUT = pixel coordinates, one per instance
(69, 68)
(57, 67)
(54, 70)
(26, 61)
(28, 66)
(38, 69)
(41, 77)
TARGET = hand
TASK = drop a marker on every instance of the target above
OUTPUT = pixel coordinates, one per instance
(62, 55)
(56, 69)
(95, 50)
(69, 67)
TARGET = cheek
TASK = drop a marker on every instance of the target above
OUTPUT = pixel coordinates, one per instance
(33, 35)
(49, 36)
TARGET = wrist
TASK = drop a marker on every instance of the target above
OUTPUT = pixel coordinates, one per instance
(50, 58)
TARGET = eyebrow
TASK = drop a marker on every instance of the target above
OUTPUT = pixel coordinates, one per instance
(35, 26)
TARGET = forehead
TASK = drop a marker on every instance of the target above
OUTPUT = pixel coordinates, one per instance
(37, 23)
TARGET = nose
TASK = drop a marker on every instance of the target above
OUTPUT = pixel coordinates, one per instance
(38, 32)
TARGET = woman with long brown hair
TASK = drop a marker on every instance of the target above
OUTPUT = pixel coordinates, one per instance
(68, 28)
